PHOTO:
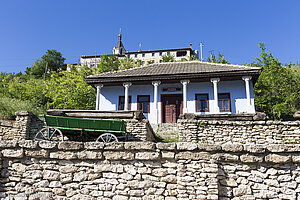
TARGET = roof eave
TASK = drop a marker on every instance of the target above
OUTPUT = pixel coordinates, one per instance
(95, 80)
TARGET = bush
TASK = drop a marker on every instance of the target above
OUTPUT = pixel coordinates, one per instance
(9, 106)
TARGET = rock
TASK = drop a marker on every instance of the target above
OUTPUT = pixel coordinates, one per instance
(64, 155)
(139, 145)
(121, 155)
(192, 155)
(94, 145)
(228, 182)
(251, 159)
(70, 145)
(166, 146)
(51, 175)
(297, 114)
(186, 146)
(147, 155)
(8, 144)
(259, 116)
(89, 155)
(48, 144)
(276, 158)
(232, 147)
(37, 153)
(241, 190)
(13, 153)
(30, 144)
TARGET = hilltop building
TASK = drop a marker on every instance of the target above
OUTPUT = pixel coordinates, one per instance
(153, 56)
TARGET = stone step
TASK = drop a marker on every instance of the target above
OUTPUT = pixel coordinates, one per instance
(167, 130)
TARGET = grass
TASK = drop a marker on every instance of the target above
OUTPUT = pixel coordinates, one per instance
(9, 106)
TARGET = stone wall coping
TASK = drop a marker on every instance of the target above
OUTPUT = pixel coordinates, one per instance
(151, 146)
(240, 123)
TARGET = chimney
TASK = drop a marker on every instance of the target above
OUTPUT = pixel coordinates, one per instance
(127, 51)
(191, 46)
(149, 50)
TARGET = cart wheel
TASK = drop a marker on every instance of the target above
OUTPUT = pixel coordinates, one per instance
(49, 133)
(107, 137)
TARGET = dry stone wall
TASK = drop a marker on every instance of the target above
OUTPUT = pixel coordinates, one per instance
(139, 170)
(250, 132)
(24, 126)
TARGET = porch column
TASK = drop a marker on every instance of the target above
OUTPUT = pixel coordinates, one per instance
(155, 84)
(126, 85)
(247, 84)
(184, 90)
(98, 87)
(215, 83)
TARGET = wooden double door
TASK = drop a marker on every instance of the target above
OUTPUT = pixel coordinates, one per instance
(171, 107)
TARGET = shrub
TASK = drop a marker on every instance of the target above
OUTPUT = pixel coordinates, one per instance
(9, 106)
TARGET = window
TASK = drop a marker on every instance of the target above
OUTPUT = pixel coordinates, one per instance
(160, 53)
(181, 53)
(143, 103)
(224, 102)
(152, 54)
(135, 55)
(143, 62)
(143, 55)
(160, 61)
(122, 102)
(202, 103)
(168, 53)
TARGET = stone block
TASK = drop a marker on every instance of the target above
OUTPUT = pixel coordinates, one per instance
(67, 169)
(51, 175)
(48, 144)
(94, 145)
(225, 157)
(8, 143)
(118, 155)
(166, 146)
(139, 146)
(147, 156)
(251, 159)
(65, 155)
(13, 153)
(209, 147)
(228, 182)
(93, 155)
(186, 146)
(276, 158)
(29, 144)
(167, 154)
(274, 148)
(70, 145)
(37, 153)
(192, 155)
(255, 148)
(232, 147)
(114, 146)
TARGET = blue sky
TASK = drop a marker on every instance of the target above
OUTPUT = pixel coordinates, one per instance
(77, 27)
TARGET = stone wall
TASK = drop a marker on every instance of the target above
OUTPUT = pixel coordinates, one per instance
(251, 132)
(73, 170)
(24, 126)
(27, 124)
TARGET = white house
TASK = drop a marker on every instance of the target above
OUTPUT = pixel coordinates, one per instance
(163, 91)
(154, 56)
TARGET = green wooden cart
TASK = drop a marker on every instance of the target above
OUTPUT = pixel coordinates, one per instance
(58, 128)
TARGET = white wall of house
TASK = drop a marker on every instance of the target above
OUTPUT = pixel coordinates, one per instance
(109, 96)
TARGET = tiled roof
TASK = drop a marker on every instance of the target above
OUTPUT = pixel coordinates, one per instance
(175, 68)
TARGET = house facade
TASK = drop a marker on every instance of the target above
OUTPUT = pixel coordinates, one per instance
(163, 91)
(153, 56)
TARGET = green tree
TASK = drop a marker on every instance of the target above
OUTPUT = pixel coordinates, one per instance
(276, 90)
(126, 63)
(108, 63)
(168, 58)
(221, 59)
(68, 90)
(51, 61)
